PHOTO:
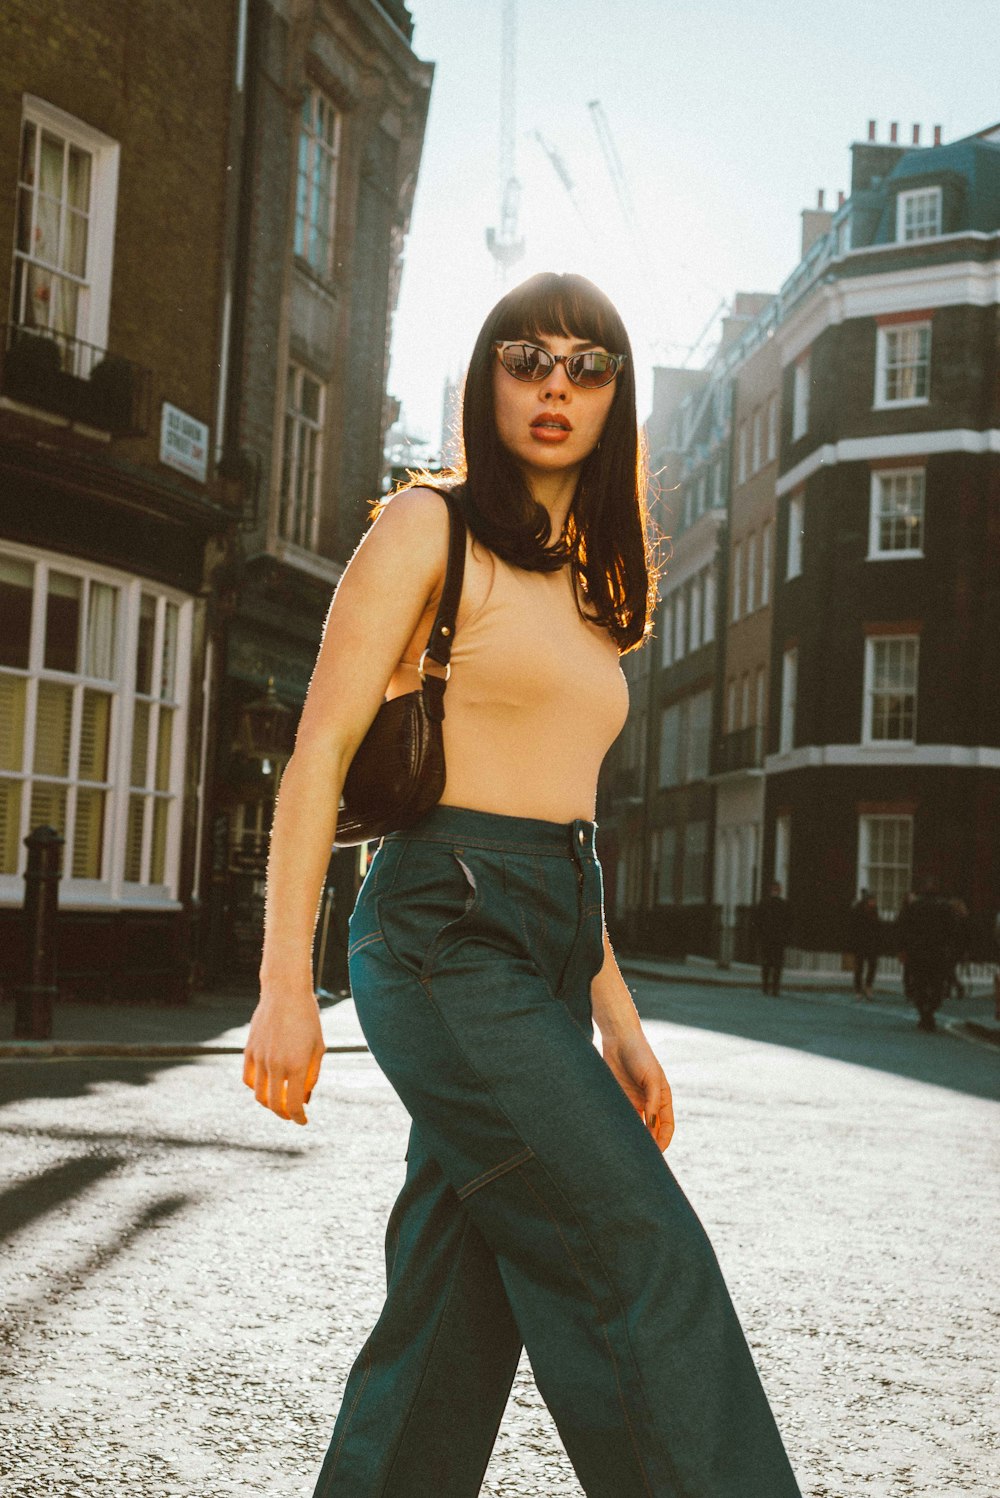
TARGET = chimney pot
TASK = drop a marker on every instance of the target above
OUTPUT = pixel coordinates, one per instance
(840, 198)
(916, 135)
(871, 129)
(894, 132)
(937, 135)
(819, 198)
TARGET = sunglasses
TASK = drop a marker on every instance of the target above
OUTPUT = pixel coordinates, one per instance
(527, 361)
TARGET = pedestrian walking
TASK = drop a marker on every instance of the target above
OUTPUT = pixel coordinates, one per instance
(537, 1207)
(773, 920)
(866, 939)
(926, 936)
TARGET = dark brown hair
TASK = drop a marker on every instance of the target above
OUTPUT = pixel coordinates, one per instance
(606, 537)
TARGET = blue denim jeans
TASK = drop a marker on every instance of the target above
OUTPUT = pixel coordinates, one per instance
(536, 1208)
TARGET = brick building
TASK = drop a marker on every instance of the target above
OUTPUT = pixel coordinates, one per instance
(854, 723)
(113, 127)
(884, 737)
(327, 131)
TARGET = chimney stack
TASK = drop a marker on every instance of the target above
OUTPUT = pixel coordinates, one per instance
(916, 135)
(840, 198)
(871, 129)
(893, 133)
(937, 135)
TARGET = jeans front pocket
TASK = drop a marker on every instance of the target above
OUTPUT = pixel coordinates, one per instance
(428, 906)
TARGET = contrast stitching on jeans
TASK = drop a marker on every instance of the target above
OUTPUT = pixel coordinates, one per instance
(364, 941)
(604, 1331)
(366, 1353)
(430, 1351)
(494, 1171)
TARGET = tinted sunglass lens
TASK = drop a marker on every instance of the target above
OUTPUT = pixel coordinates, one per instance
(526, 362)
(592, 370)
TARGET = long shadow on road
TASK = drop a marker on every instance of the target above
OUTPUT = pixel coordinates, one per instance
(861, 1035)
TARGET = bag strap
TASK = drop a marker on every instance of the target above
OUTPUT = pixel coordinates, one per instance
(442, 635)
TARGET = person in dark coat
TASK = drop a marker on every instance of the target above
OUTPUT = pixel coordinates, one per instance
(774, 921)
(926, 935)
(866, 931)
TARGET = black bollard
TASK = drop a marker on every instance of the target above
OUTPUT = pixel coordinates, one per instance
(33, 998)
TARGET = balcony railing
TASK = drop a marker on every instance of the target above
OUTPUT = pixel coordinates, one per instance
(70, 378)
(742, 750)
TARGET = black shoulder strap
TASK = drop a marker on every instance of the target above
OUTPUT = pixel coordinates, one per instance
(443, 632)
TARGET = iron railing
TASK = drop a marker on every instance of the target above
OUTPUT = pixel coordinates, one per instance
(742, 750)
(53, 372)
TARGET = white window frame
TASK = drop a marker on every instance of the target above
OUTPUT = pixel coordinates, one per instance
(298, 522)
(667, 637)
(732, 706)
(872, 644)
(751, 597)
(889, 478)
(789, 698)
(708, 633)
(307, 217)
(796, 527)
(741, 454)
(680, 624)
(782, 850)
(756, 448)
(112, 888)
(695, 616)
(909, 205)
(883, 350)
(866, 878)
(772, 428)
(737, 592)
(801, 380)
(94, 307)
(717, 483)
(766, 549)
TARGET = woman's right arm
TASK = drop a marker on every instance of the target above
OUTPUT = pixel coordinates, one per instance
(379, 601)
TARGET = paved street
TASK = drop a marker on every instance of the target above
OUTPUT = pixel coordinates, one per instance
(187, 1279)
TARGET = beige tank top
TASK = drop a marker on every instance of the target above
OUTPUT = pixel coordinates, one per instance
(535, 700)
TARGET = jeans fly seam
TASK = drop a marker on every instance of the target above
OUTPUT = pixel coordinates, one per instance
(604, 1331)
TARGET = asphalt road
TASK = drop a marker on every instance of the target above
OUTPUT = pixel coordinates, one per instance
(186, 1280)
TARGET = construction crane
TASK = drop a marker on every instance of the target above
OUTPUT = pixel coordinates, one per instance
(562, 172)
(504, 243)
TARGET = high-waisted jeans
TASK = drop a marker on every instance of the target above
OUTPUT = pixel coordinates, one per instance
(536, 1208)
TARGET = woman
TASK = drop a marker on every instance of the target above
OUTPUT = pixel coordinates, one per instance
(537, 1206)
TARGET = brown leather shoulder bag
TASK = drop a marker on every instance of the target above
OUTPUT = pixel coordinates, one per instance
(397, 773)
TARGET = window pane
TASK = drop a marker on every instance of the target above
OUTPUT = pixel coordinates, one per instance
(48, 806)
(88, 834)
(62, 621)
(10, 823)
(52, 728)
(161, 807)
(144, 654)
(95, 729)
(163, 749)
(168, 665)
(15, 610)
(102, 614)
(133, 839)
(13, 692)
(140, 743)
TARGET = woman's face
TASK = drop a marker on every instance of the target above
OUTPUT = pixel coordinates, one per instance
(551, 424)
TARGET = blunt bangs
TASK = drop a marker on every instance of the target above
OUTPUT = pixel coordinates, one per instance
(568, 306)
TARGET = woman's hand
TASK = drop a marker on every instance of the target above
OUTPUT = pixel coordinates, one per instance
(284, 1051)
(641, 1077)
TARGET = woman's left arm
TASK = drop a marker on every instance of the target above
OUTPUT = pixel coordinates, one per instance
(628, 1053)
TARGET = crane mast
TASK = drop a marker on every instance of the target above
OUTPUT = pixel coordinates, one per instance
(504, 242)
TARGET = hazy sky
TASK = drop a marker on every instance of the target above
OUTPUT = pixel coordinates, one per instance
(727, 117)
